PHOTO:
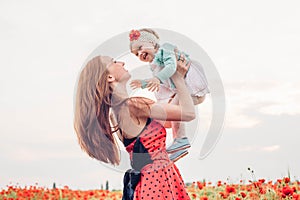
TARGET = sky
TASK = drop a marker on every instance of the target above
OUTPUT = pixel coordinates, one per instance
(254, 46)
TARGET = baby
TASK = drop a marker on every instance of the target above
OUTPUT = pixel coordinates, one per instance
(144, 43)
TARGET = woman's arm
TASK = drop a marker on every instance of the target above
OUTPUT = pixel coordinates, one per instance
(185, 111)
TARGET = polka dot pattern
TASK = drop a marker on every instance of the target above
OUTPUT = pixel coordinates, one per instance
(160, 179)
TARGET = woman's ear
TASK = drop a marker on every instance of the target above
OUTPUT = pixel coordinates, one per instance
(110, 78)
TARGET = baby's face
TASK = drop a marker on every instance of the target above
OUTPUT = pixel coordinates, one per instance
(145, 51)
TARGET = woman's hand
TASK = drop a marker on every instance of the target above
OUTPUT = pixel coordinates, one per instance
(182, 65)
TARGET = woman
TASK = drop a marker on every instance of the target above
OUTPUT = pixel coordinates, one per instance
(138, 122)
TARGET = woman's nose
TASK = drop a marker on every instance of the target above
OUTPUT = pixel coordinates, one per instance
(121, 63)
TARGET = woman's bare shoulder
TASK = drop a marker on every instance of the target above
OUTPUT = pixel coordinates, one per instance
(139, 101)
(140, 106)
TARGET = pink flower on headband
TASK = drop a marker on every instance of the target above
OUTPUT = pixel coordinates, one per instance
(134, 35)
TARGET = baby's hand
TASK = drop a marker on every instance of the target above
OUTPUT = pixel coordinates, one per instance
(136, 84)
(153, 84)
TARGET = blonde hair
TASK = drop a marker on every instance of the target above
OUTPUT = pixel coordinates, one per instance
(91, 121)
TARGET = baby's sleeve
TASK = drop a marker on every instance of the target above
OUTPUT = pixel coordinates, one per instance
(144, 84)
(169, 60)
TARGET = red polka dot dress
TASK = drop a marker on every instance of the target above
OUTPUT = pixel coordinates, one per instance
(160, 179)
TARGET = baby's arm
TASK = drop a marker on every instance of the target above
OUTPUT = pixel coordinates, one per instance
(138, 84)
(152, 84)
(169, 68)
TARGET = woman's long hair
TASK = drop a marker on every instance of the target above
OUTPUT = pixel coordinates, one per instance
(91, 122)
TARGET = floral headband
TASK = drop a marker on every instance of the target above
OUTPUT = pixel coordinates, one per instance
(142, 36)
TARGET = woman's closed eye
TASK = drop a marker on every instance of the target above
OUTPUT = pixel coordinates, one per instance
(119, 62)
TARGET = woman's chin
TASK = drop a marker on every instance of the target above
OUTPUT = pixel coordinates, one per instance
(125, 78)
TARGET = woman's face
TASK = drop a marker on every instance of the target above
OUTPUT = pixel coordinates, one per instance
(116, 70)
(145, 51)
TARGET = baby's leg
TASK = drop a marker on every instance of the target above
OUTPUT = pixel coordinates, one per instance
(178, 128)
(180, 142)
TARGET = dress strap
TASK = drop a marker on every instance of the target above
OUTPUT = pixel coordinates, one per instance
(127, 141)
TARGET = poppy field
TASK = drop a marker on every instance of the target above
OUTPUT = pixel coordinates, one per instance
(281, 189)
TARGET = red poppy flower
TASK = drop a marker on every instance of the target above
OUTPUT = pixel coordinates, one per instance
(204, 198)
(230, 189)
(261, 180)
(219, 183)
(243, 194)
(200, 185)
(296, 196)
(286, 179)
(223, 195)
(287, 190)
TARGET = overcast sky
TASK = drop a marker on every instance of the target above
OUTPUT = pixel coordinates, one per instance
(254, 46)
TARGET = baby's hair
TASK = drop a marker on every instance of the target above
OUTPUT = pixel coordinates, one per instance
(149, 30)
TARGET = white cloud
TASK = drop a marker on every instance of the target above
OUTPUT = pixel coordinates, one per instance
(254, 148)
(237, 120)
(270, 148)
(265, 97)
